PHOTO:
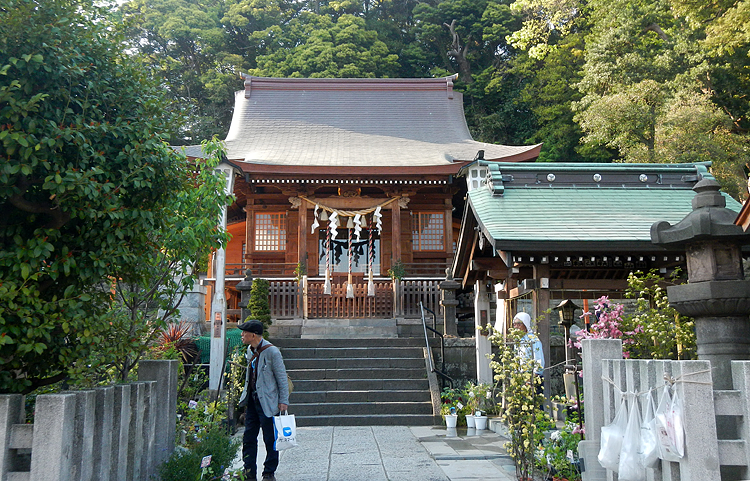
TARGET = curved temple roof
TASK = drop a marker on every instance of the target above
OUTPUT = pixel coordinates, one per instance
(355, 123)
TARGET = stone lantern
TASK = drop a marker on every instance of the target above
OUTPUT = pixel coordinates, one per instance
(244, 287)
(716, 296)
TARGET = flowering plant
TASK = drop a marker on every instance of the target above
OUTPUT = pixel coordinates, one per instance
(559, 453)
(654, 331)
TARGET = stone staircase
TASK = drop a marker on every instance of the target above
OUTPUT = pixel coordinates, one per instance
(358, 382)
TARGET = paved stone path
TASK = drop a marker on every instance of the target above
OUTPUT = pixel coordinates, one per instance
(392, 453)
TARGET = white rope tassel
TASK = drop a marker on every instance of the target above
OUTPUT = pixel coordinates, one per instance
(370, 285)
(315, 223)
(357, 226)
(378, 221)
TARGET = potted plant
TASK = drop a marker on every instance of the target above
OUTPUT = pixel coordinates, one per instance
(452, 403)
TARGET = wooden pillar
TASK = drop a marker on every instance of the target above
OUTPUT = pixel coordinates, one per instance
(395, 232)
(302, 257)
(540, 297)
(249, 233)
(448, 229)
(302, 234)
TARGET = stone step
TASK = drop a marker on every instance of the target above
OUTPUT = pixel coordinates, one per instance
(348, 328)
(354, 363)
(359, 384)
(369, 420)
(363, 381)
(363, 396)
(352, 409)
(350, 352)
(290, 342)
(391, 373)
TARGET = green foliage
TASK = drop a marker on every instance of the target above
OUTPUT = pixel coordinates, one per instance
(325, 47)
(397, 270)
(560, 451)
(86, 184)
(659, 331)
(300, 271)
(522, 413)
(258, 304)
(478, 397)
(185, 464)
(654, 330)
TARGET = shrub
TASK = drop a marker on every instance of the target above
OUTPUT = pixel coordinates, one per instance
(184, 464)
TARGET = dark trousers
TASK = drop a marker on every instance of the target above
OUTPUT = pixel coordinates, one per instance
(254, 421)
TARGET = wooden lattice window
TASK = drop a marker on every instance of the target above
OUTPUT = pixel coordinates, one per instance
(428, 231)
(270, 231)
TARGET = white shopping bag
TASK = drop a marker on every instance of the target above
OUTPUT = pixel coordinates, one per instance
(285, 431)
(611, 439)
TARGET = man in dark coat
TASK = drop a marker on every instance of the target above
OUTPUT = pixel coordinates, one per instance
(266, 393)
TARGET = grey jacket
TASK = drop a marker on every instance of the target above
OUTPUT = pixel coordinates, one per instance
(271, 383)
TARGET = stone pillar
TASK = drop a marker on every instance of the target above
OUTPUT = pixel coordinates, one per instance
(244, 286)
(165, 411)
(120, 433)
(52, 447)
(11, 412)
(449, 302)
(83, 437)
(104, 398)
(481, 323)
(150, 401)
(716, 295)
(135, 430)
(593, 351)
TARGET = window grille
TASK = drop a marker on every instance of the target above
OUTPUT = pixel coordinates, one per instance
(428, 231)
(270, 231)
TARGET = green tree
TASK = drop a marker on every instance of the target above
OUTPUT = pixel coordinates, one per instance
(185, 43)
(86, 183)
(147, 295)
(649, 91)
(324, 47)
(258, 304)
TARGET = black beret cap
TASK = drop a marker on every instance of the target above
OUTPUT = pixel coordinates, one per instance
(253, 326)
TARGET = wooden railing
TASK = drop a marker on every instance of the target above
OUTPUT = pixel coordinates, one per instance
(275, 269)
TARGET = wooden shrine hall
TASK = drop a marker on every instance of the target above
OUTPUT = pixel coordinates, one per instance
(339, 181)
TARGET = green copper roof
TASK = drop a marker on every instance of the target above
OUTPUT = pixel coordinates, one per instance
(579, 214)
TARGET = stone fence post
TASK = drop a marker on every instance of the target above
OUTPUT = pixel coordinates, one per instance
(116, 433)
(593, 352)
(165, 412)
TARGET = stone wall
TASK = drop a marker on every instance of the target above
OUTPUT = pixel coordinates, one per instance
(120, 432)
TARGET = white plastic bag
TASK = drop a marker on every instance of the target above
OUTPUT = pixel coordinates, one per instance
(668, 419)
(630, 463)
(285, 432)
(649, 442)
(611, 440)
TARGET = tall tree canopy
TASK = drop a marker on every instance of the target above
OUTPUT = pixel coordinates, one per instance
(89, 190)
(593, 80)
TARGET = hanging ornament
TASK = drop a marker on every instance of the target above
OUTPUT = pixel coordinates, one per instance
(378, 221)
(349, 223)
(358, 226)
(324, 215)
(349, 285)
(364, 221)
(327, 283)
(315, 223)
(333, 224)
(371, 258)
